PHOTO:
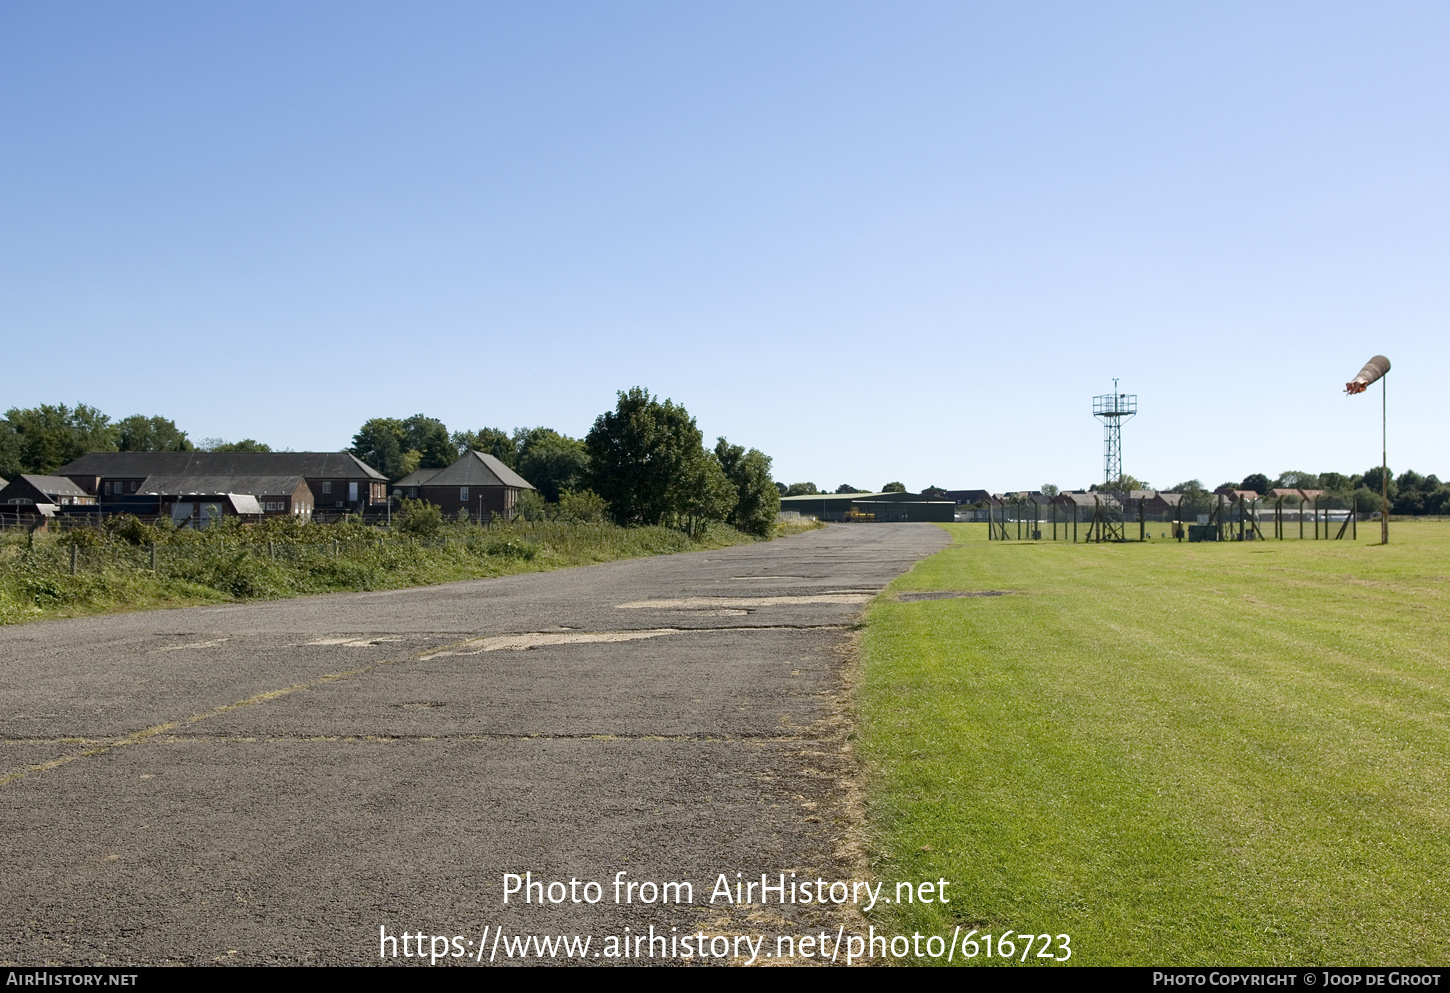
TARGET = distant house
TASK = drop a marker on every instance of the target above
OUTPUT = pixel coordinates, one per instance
(478, 483)
(29, 496)
(335, 480)
(1308, 496)
(968, 498)
(199, 499)
(1234, 496)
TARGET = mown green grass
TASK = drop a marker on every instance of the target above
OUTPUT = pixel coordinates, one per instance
(1182, 754)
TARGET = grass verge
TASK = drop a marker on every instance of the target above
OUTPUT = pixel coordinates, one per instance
(1176, 754)
(136, 567)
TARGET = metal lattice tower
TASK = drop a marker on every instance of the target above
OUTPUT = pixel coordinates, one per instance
(1114, 408)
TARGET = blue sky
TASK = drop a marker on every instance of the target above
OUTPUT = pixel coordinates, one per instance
(877, 241)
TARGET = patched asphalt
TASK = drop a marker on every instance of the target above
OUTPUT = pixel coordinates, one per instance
(275, 782)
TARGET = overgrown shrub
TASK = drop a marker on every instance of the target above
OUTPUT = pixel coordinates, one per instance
(585, 507)
(420, 519)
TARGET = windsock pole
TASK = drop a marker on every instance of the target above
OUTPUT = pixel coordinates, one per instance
(1384, 462)
(1374, 369)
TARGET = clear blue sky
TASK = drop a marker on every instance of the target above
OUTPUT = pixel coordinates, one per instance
(877, 241)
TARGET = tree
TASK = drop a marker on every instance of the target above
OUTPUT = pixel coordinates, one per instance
(429, 438)
(1294, 479)
(245, 445)
(707, 494)
(48, 437)
(490, 441)
(1123, 484)
(1371, 482)
(1257, 482)
(894, 488)
(643, 458)
(1050, 490)
(139, 433)
(801, 489)
(379, 443)
(1195, 499)
(10, 466)
(846, 488)
(551, 461)
(757, 501)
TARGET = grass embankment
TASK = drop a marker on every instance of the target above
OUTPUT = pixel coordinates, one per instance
(282, 559)
(1185, 754)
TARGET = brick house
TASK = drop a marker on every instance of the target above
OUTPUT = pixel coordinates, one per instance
(477, 483)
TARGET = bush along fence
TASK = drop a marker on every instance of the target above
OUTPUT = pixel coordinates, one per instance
(126, 562)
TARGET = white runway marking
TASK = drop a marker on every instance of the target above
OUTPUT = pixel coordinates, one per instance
(744, 602)
(521, 642)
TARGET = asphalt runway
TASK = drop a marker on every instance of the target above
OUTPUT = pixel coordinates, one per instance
(293, 782)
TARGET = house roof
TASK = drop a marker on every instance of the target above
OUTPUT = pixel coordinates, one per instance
(218, 485)
(475, 469)
(313, 465)
(244, 503)
(54, 486)
(1083, 499)
(417, 477)
(969, 496)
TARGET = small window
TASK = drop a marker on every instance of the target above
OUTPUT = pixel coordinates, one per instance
(108, 489)
(327, 486)
(463, 493)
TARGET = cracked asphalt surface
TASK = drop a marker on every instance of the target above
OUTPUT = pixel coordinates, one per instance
(274, 782)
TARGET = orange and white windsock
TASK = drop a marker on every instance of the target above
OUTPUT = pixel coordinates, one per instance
(1373, 370)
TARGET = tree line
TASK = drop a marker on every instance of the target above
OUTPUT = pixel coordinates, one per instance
(643, 463)
(39, 440)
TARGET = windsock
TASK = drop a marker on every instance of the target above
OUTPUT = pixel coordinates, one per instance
(1373, 370)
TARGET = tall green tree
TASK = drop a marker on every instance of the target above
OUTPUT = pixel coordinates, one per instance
(757, 501)
(47, 437)
(553, 462)
(9, 452)
(245, 445)
(1371, 482)
(490, 441)
(643, 458)
(429, 438)
(1256, 481)
(139, 433)
(379, 443)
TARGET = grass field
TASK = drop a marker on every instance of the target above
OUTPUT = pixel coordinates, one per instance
(1177, 754)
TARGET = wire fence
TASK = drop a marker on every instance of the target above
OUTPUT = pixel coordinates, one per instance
(1219, 519)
